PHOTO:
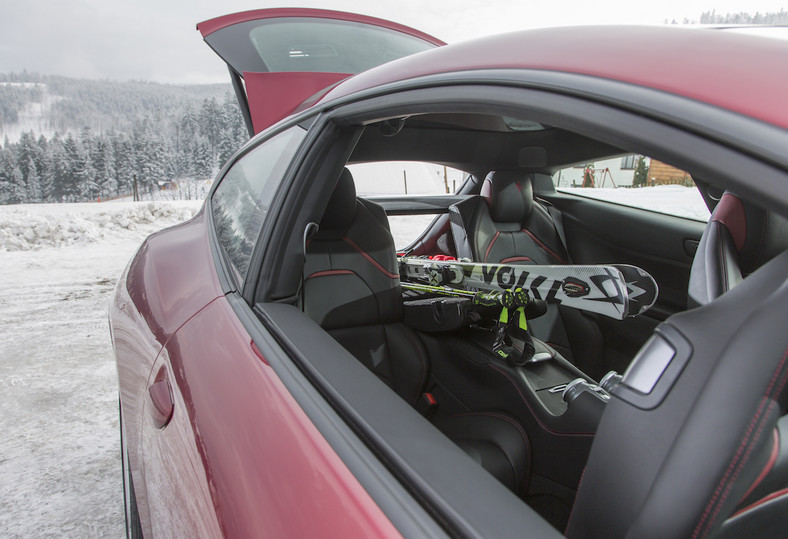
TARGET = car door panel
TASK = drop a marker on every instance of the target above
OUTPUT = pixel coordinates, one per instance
(601, 232)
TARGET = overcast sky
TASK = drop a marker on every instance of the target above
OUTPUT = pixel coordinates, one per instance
(156, 39)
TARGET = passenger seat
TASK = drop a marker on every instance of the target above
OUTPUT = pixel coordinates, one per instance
(505, 225)
(352, 289)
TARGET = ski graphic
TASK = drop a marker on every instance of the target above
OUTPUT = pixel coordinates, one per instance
(615, 290)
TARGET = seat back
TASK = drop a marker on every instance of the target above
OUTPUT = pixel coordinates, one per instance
(689, 434)
(739, 238)
(505, 225)
(352, 289)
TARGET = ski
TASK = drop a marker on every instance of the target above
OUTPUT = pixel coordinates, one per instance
(615, 290)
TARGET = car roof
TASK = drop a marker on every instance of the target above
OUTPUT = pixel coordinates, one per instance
(742, 73)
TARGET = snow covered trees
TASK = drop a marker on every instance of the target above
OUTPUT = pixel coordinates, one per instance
(89, 165)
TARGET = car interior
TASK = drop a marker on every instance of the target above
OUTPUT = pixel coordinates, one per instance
(532, 425)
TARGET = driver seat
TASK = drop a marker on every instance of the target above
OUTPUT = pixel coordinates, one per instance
(693, 442)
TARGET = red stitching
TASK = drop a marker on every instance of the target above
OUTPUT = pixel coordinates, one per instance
(369, 258)
(492, 241)
(769, 464)
(544, 247)
(745, 440)
(330, 273)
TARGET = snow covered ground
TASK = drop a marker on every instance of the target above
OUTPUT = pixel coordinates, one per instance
(671, 199)
(59, 450)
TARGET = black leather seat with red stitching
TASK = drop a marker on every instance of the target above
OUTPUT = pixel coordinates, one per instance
(505, 225)
(352, 289)
(698, 448)
(739, 238)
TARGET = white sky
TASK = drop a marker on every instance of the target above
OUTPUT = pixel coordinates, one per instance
(156, 39)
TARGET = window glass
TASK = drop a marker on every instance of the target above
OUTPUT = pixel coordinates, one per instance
(330, 45)
(638, 181)
(405, 178)
(240, 203)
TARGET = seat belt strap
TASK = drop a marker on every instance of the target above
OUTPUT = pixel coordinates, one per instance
(558, 223)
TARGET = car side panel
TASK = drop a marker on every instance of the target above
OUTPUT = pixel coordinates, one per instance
(170, 278)
(238, 435)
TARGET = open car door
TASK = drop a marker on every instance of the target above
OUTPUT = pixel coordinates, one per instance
(280, 57)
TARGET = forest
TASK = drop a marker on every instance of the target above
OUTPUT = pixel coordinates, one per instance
(110, 137)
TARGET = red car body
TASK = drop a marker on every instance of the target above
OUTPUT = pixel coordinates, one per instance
(217, 443)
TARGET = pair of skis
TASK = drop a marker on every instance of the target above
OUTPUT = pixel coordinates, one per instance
(614, 290)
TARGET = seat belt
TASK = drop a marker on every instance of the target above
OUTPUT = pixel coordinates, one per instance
(558, 224)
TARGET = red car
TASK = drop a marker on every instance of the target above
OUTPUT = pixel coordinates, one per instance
(279, 375)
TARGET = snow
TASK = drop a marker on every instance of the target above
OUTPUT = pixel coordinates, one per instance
(32, 117)
(26, 227)
(669, 199)
(59, 450)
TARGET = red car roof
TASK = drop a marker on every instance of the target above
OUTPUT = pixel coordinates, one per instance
(741, 73)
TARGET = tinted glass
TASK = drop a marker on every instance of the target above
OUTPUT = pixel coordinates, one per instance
(309, 44)
(240, 203)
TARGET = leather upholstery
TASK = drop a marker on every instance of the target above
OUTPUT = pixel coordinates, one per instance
(505, 225)
(682, 466)
(494, 440)
(352, 289)
(739, 238)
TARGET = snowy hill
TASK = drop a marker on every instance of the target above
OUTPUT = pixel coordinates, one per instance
(72, 140)
(47, 105)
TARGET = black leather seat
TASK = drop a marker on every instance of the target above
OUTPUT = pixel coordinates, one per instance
(352, 289)
(739, 238)
(505, 225)
(700, 447)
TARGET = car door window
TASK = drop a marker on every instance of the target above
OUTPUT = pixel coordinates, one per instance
(638, 181)
(241, 201)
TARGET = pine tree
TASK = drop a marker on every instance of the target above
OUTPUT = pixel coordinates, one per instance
(210, 124)
(641, 173)
(203, 159)
(67, 174)
(105, 168)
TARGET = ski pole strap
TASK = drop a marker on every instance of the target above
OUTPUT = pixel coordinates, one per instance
(512, 329)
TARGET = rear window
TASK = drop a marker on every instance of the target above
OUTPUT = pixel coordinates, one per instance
(311, 45)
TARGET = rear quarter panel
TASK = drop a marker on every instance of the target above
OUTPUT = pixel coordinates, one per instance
(238, 435)
(239, 457)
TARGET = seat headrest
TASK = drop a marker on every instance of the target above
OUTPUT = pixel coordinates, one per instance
(758, 235)
(341, 208)
(509, 195)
